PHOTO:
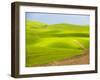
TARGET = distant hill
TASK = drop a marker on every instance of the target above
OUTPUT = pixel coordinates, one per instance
(68, 26)
(61, 26)
(35, 24)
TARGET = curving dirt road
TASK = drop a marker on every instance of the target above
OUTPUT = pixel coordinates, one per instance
(80, 59)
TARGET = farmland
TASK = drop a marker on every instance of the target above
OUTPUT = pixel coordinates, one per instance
(47, 43)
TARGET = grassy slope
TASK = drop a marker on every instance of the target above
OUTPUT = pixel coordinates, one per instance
(48, 43)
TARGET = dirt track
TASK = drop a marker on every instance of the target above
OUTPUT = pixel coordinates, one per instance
(76, 60)
(81, 59)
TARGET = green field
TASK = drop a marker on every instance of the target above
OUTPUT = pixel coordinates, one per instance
(48, 43)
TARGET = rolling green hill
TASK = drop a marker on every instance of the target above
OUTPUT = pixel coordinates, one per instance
(35, 24)
(48, 43)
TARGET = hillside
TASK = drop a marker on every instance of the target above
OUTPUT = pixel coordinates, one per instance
(35, 24)
(46, 43)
